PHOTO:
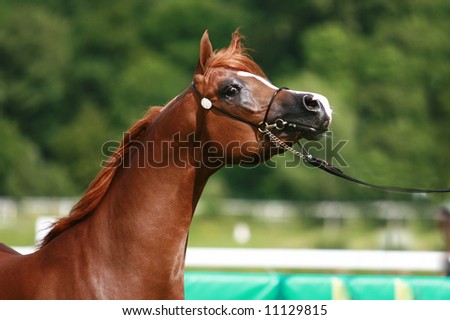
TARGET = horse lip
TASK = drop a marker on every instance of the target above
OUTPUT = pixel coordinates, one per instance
(309, 132)
(302, 126)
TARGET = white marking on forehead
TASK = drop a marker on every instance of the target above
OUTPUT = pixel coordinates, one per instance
(265, 81)
(322, 99)
(318, 97)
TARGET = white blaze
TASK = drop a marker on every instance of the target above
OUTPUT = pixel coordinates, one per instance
(317, 97)
(265, 81)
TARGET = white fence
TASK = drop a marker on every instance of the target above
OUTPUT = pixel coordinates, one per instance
(315, 259)
(323, 259)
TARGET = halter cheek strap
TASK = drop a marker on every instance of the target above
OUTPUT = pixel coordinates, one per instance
(279, 123)
(262, 126)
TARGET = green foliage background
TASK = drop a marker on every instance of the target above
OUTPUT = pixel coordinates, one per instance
(75, 74)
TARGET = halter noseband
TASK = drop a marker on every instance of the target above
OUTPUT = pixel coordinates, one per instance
(263, 126)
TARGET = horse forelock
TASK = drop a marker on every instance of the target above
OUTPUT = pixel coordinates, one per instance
(234, 57)
(100, 185)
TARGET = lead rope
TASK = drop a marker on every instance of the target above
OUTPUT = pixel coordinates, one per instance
(325, 166)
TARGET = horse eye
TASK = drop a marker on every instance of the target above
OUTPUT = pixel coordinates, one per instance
(232, 90)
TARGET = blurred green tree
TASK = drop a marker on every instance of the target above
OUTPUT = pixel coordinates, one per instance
(34, 54)
(75, 74)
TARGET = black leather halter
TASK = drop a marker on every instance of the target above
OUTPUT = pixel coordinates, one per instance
(278, 124)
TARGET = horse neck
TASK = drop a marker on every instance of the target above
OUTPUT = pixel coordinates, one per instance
(148, 208)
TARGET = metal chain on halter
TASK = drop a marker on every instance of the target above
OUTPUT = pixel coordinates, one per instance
(281, 144)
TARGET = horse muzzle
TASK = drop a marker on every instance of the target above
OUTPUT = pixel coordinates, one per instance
(309, 115)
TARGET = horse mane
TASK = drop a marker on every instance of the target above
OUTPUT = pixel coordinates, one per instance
(234, 57)
(99, 186)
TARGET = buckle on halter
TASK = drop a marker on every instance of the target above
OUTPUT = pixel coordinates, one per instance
(262, 126)
(279, 124)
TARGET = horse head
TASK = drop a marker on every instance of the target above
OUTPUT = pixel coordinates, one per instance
(240, 104)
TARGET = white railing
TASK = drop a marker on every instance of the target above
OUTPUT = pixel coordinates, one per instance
(315, 259)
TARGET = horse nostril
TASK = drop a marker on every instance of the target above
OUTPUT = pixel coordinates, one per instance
(311, 104)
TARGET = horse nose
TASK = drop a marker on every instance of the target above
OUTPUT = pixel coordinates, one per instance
(311, 104)
(318, 106)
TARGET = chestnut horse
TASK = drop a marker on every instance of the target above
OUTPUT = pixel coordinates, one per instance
(126, 238)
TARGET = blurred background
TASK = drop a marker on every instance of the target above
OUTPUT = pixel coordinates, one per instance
(75, 74)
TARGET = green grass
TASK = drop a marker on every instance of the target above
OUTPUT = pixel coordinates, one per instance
(217, 231)
(19, 233)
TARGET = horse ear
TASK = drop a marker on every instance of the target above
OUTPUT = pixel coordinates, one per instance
(236, 43)
(206, 51)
